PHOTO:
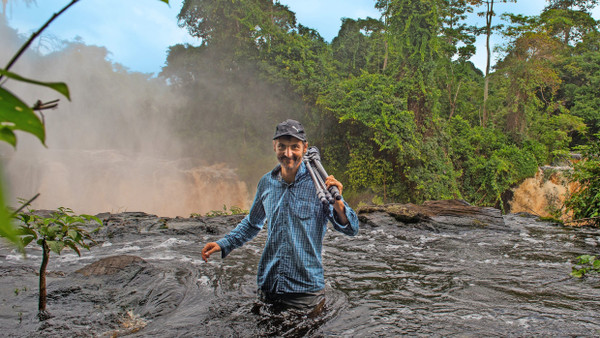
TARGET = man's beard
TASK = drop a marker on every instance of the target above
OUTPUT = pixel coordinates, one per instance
(295, 160)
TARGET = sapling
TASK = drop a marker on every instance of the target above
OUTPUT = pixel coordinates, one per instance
(53, 234)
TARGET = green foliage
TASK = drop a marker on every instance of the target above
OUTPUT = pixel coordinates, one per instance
(63, 229)
(584, 202)
(586, 264)
(490, 164)
(233, 210)
(393, 104)
(16, 115)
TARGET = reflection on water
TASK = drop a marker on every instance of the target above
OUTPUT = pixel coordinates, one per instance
(387, 281)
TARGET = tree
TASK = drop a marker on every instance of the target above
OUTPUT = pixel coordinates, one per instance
(412, 29)
(530, 78)
(570, 19)
(456, 75)
(62, 229)
(580, 75)
(458, 37)
(488, 30)
(359, 46)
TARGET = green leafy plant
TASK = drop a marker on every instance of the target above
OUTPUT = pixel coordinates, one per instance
(63, 229)
(585, 264)
(584, 202)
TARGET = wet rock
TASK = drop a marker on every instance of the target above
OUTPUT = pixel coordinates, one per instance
(135, 223)
(109, 265)
(433, 214)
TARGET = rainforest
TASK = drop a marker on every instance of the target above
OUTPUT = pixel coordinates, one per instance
(396, 107)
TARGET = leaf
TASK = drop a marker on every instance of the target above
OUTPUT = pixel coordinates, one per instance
(16, 115)
(60, 87)
(7, 229)
(577, 273)
(8, 136)
(74, 248)
(52, 231)
(56, 246)
(91, 218)
(583, 259)
(26, 240)
(25, 231)
(75, 235)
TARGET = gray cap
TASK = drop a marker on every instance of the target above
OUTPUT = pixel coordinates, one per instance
(290, 128)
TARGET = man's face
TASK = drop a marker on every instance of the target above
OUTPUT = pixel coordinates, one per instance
(289, 151)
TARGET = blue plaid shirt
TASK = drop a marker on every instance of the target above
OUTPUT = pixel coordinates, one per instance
(297, 221)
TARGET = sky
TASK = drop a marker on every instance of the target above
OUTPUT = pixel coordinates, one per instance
(137, 33)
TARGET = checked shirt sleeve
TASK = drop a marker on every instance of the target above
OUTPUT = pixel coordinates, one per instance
(350, 229)
(248, 228)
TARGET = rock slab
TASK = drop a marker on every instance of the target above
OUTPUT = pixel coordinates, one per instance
(436, 214)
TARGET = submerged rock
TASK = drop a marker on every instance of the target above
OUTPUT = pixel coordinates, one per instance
(433, 214)
(109, 265)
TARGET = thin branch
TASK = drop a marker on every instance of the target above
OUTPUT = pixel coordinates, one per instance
(35, 35)
(24, 205)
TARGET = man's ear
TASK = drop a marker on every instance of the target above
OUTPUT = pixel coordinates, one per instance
(305, 147)
(274, 145)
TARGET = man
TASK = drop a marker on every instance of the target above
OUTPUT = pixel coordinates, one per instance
(290, 271)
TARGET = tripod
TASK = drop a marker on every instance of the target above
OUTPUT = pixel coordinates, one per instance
(312, 159)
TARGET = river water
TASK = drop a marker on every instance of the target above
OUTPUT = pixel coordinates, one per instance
(390, 280)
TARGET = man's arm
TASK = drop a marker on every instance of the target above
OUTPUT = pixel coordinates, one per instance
(247, 229)
(346, 225)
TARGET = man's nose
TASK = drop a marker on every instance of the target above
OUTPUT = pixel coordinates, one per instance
(288, 152)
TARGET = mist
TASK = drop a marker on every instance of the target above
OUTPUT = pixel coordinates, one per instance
(114, 146)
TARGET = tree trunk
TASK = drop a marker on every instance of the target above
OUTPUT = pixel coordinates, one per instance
(385, 59)
(488, 23)
(42, 313)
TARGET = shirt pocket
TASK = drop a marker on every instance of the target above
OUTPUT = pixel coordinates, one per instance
(306, 208)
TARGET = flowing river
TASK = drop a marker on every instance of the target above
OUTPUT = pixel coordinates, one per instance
(392, 279)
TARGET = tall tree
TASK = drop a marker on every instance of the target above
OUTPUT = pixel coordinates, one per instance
(359, 46)
(488, 30)
(569, 19)
(457, 42)
(531, 79)
(413, 29)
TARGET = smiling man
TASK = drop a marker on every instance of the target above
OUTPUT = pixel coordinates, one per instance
(290, 271)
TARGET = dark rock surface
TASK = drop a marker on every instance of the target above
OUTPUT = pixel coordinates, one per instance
(127, 223)
(109, 265)
(433, 214)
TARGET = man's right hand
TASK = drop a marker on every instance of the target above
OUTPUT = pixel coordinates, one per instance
(209, 249)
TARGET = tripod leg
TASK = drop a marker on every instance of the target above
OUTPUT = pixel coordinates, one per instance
(318, 186)
(334, 191)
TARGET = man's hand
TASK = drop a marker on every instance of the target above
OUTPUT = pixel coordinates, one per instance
(330, 181)
(209, 249)
(338, 205)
